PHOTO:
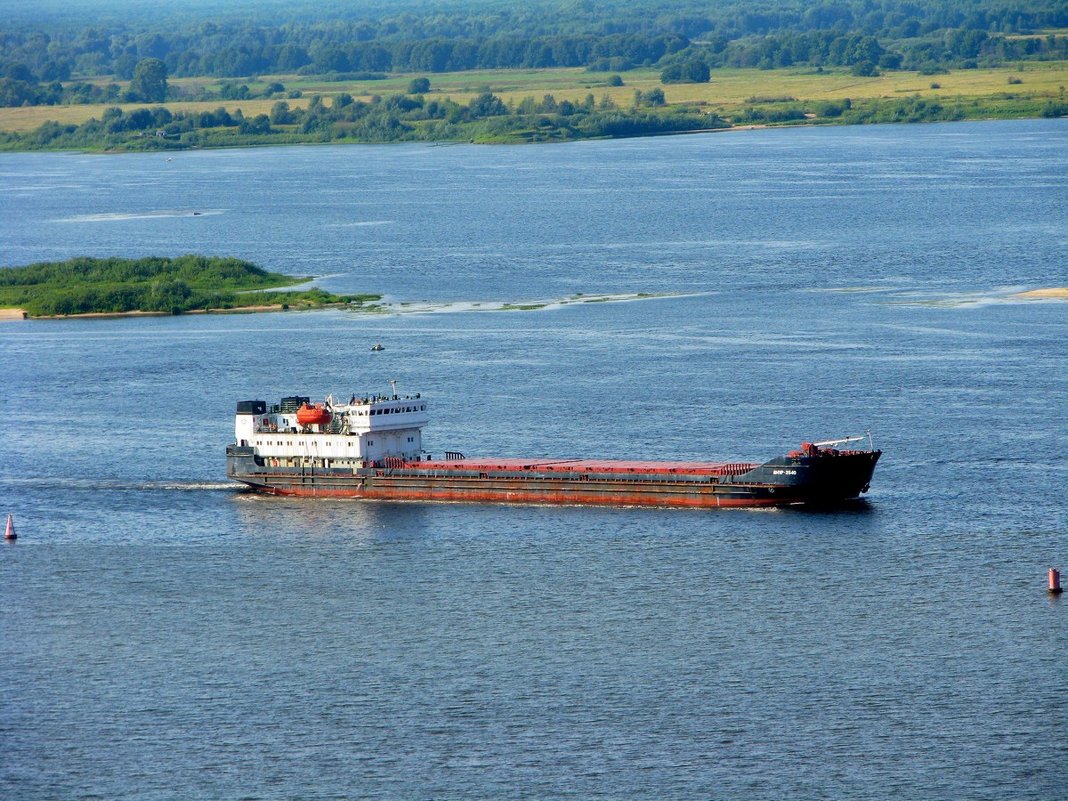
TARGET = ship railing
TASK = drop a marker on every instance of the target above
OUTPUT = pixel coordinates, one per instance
(834, 443)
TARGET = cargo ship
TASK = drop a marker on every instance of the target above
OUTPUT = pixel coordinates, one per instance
(371, 447)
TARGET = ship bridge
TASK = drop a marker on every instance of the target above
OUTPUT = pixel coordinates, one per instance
(367, 429)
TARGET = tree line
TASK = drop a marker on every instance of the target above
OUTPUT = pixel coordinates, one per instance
(680, 59)
(395, 118)
(612, 35)
(419, 117)
(955, 48)
(215, 271)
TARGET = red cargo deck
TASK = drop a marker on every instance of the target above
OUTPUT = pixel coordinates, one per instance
(621, 466)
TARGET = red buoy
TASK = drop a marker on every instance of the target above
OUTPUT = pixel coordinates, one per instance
(1054, 580)
(10, 533)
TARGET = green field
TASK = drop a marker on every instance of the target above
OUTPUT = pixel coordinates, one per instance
(1021, 90)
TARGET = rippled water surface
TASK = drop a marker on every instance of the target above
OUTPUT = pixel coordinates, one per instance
(167, 637)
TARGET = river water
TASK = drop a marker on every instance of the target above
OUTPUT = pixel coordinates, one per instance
(164, 636)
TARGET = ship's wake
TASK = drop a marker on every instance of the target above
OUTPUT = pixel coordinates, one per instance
(156, 214)
(115, 485)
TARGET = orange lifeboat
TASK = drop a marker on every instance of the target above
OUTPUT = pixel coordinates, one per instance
(313, 415)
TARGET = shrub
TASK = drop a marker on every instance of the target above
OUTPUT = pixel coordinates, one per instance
(686, 72)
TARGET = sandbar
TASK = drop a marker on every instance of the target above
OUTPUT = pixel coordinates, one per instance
(1060, 292)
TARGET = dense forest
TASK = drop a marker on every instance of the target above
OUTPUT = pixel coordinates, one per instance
(153, 284)
(48, 58)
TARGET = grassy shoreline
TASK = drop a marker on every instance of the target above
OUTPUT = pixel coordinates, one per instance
(157, 286)
(733, 98)
(8, 314)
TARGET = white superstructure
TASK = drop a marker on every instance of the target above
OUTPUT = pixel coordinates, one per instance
(365, 430)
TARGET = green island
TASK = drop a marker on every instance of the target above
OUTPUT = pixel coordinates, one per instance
(103, 76)
(158, 285)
